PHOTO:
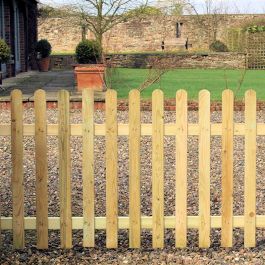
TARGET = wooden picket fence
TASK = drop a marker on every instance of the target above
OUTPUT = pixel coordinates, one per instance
(134, 129)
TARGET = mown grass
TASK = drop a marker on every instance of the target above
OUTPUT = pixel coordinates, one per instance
(193, 80)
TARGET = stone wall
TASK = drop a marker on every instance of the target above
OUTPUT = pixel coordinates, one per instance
(62, 61)
(141, 35)
(171, 60)
(197, 60)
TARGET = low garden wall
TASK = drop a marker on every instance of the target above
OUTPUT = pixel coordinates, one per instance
(145, 60)
(146, 105)
(62, 61)
(195, 60)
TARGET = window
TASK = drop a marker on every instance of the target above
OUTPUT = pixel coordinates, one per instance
(179, 29)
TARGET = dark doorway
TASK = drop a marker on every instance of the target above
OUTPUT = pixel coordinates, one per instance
(179, 27)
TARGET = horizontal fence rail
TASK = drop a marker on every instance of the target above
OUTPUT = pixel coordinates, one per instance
(135, 222)
(123, 129)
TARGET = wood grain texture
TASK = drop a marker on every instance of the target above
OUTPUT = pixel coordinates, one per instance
(227, 167)
(158, 168)
(204, 168)
(111, 169)
(88, 168)
(193, 222)
(134, 169)
(181, 168)
(123, 129)
(41, 168)
(65, 170)
(250, 168)
(17, 169)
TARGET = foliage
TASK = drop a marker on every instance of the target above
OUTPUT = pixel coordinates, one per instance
(255, 25)
(5, 51)
(44, 48)
(88, 52)
(255, 29)
(144, 10)
(218, 46)
(100, 16)
(177, 10)
(46, 11)
(176, 7)
(236, 40)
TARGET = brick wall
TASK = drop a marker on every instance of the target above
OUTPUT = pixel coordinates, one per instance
(32, 14)
(146, 105)
(8, 34)
(27, 31)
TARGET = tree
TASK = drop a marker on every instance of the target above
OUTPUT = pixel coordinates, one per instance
(99, 16)
(214, 13)
(176, 7)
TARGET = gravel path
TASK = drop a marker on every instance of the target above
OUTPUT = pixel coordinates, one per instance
(100, 255)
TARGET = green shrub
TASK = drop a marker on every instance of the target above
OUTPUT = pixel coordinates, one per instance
(88, 52)
(218, 46)
(255, 29)
(5, 52)
(44, 48)
(143, 11)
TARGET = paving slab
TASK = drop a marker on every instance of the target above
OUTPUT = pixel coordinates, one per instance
(51, 82)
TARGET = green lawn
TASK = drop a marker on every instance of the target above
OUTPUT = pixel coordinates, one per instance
(193, 80)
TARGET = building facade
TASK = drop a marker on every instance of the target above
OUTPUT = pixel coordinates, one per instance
(18, 27)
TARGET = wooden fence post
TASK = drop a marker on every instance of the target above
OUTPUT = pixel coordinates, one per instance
(204, 168)
(181, 168)
(134, 129)
(250, 168)
(65, 170)
(158, 168)
(111, 169)
(41, 169)
(88, 168)
(17, 165)
(134, 168)
(227, 167)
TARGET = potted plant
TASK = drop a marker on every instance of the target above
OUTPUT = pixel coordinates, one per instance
(89, 71)
(43, 49)
(5, 54)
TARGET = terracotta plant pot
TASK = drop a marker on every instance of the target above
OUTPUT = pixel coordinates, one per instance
(44, 64)
(90, 76)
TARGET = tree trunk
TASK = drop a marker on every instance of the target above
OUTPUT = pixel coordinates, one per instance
(99, 39)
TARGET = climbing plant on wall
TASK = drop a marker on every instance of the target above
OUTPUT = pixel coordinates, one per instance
(256, 29)
(236, 40)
